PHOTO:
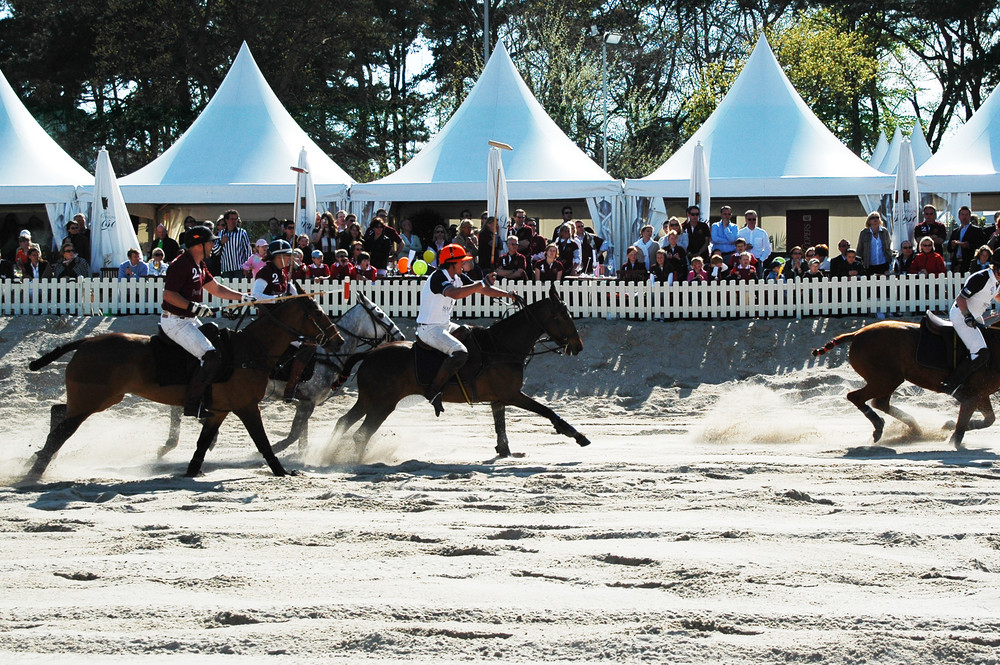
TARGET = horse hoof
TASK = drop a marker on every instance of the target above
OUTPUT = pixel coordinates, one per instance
(582, 440)
(877, 435)
(503, 452)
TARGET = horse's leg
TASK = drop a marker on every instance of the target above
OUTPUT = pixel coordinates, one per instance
(500, 425)
(882, 404)
(206, 440)
(965, 411)
(859, 398)
(174, 434)
(61, 428)
(522, 401)
(985, 407)
(300, 426)
(346, 421)
(373, 420)
(250, 415)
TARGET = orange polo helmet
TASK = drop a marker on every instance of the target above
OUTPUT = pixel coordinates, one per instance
(452, 253)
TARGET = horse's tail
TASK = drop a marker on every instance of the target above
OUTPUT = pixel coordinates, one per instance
(345, 372)
(35, 365)
(836, 341)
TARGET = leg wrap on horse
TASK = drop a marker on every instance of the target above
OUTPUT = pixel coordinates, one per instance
(210, 365)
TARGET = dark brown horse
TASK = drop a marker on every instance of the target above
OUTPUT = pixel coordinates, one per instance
(107, 367)
(387, 374)
(884, 354)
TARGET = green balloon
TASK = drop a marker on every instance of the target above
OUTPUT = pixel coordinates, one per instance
(419, 267)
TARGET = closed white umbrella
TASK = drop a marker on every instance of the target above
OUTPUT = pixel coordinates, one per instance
(905, 198)
(698, 192)
(111, 232)
(496, 197)
(305, 197)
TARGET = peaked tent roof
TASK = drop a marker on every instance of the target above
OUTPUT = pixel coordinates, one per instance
(891, 159)
(763, 140)
(239, 150)
(33, 168)
(921, 149)
(879, 152)
(544, 164)
(969, 161)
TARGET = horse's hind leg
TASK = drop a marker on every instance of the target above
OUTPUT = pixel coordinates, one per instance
(522, 401)
(346, 421)
(300, 426)
(859, 398)
(500, 425)
(61, 428)
(174, 434)
(209, 430)
(986, 408)
(965, 411)
(373, 420)
(250, 415)
(882, 404)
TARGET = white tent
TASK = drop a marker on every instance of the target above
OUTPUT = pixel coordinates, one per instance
(763, 141)
(239, 150)
(544, 165)
(880, 149)
(921, 149)
(968, 161)
(891, 159)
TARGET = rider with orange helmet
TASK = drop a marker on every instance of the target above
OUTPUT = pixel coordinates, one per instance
(434, 325)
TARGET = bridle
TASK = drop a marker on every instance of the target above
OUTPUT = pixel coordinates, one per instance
(326, 334)
(378, 322)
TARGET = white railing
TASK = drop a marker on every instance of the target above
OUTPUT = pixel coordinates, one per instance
(908, 294)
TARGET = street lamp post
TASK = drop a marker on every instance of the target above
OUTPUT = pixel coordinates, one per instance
(612, 38)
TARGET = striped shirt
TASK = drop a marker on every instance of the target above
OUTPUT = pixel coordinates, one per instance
(235, 251)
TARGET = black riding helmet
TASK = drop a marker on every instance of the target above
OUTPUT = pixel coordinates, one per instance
(277, 247)
(197, 235)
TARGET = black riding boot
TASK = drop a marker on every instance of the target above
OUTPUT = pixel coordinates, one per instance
(964, 370)
(298, 366)
(451, 364)
(201, 380)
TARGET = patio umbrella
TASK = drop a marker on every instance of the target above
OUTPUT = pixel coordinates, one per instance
(496, 197)
(699, 193)
(905, 198)
(111, 231)
(305, 197)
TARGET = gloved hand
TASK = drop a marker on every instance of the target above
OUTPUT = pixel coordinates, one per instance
(198, 309)
(248, 297)
(970, 320)
(519, 300)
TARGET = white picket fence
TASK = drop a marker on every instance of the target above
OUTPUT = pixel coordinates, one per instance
(908, 294)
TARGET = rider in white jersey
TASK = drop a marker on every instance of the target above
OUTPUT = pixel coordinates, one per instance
(434, 325)
(977, 295)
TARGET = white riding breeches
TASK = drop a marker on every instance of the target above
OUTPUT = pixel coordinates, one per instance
(973, 337)
(185, 332)
(439, 336)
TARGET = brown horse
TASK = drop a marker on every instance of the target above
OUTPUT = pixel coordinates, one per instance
(388, 373)
(884, 354)
(106, 367)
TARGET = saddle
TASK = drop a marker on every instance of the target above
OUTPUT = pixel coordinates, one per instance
(427, 360)
(175, 366)
(939, 347)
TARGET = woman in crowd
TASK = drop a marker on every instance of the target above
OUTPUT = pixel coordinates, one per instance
(796, 265)
(634, 268)
(823, 254)
(34, 267)
(354, 252)
(379, 245)
(549, 269)
(901, 264)
(257, 260)
(410, 242)
(438, 240)
(490, 246)
(982, 261)
(157, 266)
(70, 266)
(927, 261)
(325, 235)
(646, 245)
(349, 235)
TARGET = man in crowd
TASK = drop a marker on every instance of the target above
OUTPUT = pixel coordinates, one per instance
(698, 233)
(964, 241)
(758, 242)
(133, 267)
(166, 243)
(847, 266)
(234, 246)
(724, 232)
(930, 227)
(512, 265)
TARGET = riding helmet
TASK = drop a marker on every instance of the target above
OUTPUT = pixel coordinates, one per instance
(278, 247)
(197, 235)
(452, 253)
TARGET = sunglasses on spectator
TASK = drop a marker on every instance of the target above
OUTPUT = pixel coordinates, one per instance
(908, 246)
(751, 219)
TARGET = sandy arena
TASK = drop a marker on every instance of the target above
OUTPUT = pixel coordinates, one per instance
(728, 510)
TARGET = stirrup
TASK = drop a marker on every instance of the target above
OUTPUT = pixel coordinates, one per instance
(201, 413)
(435, 401)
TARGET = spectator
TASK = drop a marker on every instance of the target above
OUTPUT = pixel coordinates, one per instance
(342, 266)
(674, 224)
(7, 269)
(734, 260)
(530, 244)
(983, 259)
(169, 246)
(354, 253)
(233, 248)
(745, 271)
(303, 242)
(810, 254)
(189, 222)
(350, 235)
(697, 272)
(901, 264)
(325, 236)
(698, 234)
(549, 269)
(288, 232)
(23, 245)
(490, 246)
(409, 241)
(964, 240)
(717, 271)
(724, 232)
(70, 266)
(257, 260)
(776, 272)
(34, 267)
(298, 268)
(590, 248)
(439, 238)
(849, 267)
(634, 268)
(158, 264)
(823, 254)
(661, 271)
(675, 255)
(758, 242)
(365, 271)
(814, 272)
(379, 245)
(874, 246)
(132, 267)
(646, 245)
(79, 241)
(796, 265)
(930, 226)
(567, 218)
(512, 264)
(994, 238)
(927, 261)
(570, 252)
(317, 269)
(466, 240)
(520, 219)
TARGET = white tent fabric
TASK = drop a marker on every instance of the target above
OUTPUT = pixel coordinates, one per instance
(305, 197)
(33, 168)
(906, 198)
(237, 151)
(919, 146)
(968, 161)
(545, 165)
(699, 191)
(497, 202)
(891, 158)
(880, 149)
(763, 140)
(111, 232)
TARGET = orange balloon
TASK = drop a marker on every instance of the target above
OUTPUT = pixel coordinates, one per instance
(404, 265)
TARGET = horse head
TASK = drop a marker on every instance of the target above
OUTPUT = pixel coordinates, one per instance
(307, 319)
(384, 328)
(557, 323)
